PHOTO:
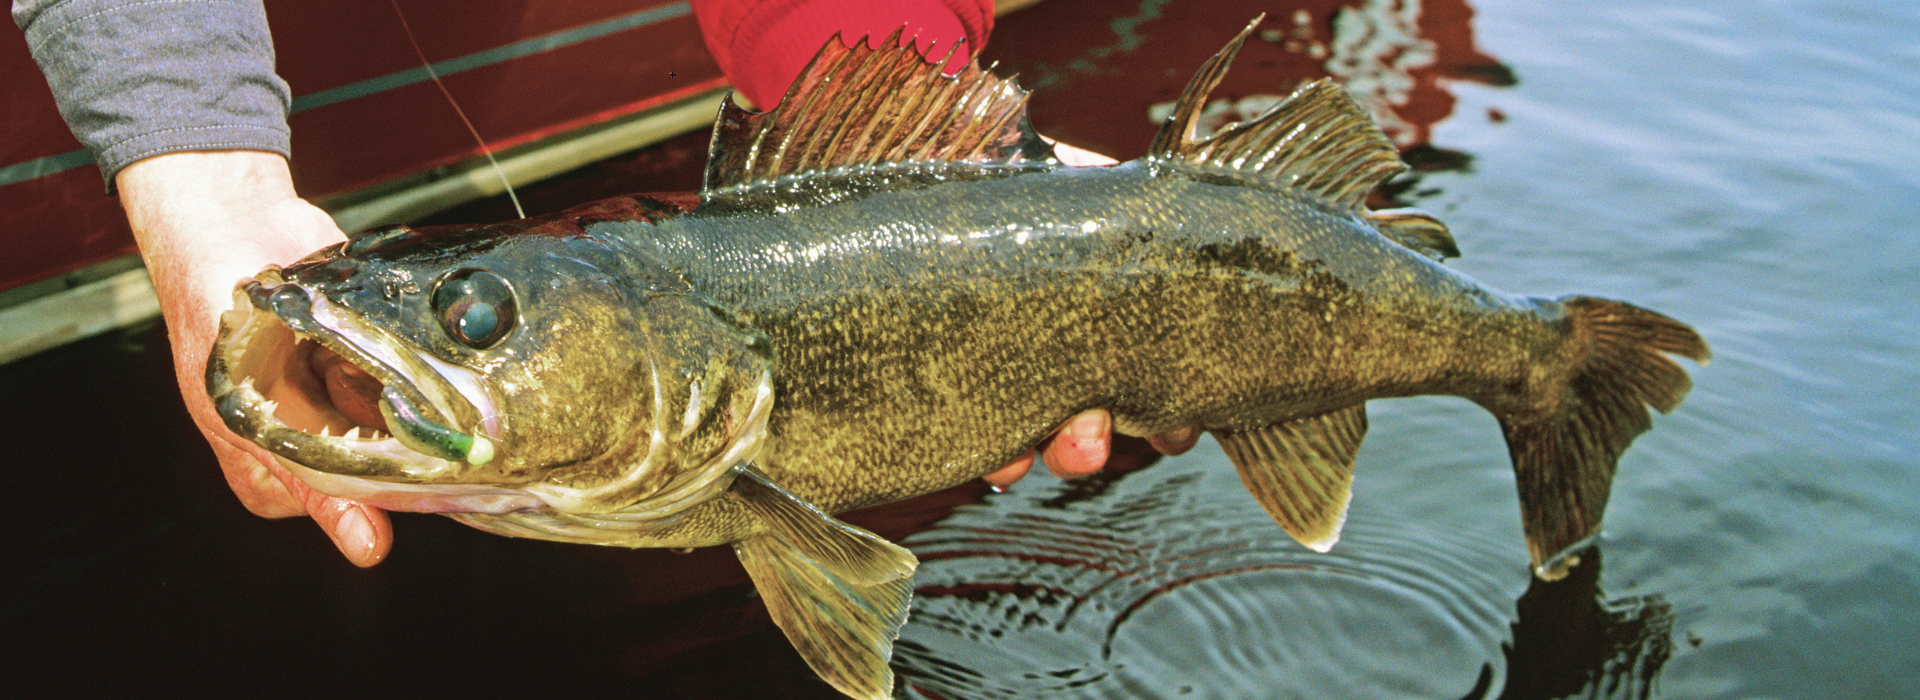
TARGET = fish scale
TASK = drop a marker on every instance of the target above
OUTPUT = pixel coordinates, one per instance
(949, 291)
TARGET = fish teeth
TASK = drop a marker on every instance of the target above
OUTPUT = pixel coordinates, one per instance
(353, 434)
(324, 432)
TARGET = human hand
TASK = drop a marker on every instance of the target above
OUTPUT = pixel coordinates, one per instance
(204, 221)
(1081, 445)
(1078, 157)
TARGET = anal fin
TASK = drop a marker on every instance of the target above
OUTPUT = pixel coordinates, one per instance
(1301, 471)
(844, 630)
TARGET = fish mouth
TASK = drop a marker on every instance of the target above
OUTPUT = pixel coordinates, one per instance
(349, 409)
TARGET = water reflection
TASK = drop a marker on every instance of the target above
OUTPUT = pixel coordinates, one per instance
(1170, 582)
(1397, 57)
(1569, 641)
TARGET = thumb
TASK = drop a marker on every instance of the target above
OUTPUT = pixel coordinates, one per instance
(361, 532)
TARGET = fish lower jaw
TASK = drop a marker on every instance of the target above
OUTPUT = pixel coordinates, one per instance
(414, 498)
(369, 452)
(353, 433)
(402, 483)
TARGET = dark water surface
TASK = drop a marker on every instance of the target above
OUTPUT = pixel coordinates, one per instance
(1747, 168)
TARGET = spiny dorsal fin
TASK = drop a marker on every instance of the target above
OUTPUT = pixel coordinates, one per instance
(1301, 471)
(1317, 140)
(844, 630)
(849, 552)
(1416, 229)
(856, 105)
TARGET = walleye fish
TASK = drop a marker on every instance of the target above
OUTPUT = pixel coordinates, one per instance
(887, 286)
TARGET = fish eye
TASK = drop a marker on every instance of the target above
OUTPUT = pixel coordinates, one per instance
(476, 307)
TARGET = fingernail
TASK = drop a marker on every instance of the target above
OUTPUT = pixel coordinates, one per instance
(1003, 477)
(353, 534)
(1094, 428)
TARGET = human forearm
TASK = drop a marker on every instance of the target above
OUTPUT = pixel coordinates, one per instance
(136, 79)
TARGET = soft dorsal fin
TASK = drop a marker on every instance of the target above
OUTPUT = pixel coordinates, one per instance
(1317, 140)
(858, 105)
(1416, 229)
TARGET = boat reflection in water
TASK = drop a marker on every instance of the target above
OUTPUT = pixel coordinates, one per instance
(1105, 73)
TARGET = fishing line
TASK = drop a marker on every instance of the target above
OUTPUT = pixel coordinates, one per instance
(484, 150)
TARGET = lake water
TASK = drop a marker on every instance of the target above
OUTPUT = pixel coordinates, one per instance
(1748, 168)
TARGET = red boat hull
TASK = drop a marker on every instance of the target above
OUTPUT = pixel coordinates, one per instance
(365, 113)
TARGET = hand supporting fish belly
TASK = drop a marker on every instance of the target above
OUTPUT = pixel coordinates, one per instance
(844, 316)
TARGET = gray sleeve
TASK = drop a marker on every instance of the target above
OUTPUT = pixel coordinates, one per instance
(139, 78)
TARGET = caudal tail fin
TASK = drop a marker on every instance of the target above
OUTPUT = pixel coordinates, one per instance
(1564, 456)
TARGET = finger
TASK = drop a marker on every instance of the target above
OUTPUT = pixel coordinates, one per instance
(1003, 477)
(1081, 446)
(1076, 156)
(361, 532)
(254, 484)
(1176, 441)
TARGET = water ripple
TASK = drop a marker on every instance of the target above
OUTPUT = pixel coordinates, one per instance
(1171, 582)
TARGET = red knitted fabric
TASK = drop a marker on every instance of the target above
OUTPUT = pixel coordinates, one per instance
(763, 44)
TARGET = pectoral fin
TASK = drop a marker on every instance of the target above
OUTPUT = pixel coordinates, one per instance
(844, 630)
(848, 552)
(1301, 470)
(839, 592)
